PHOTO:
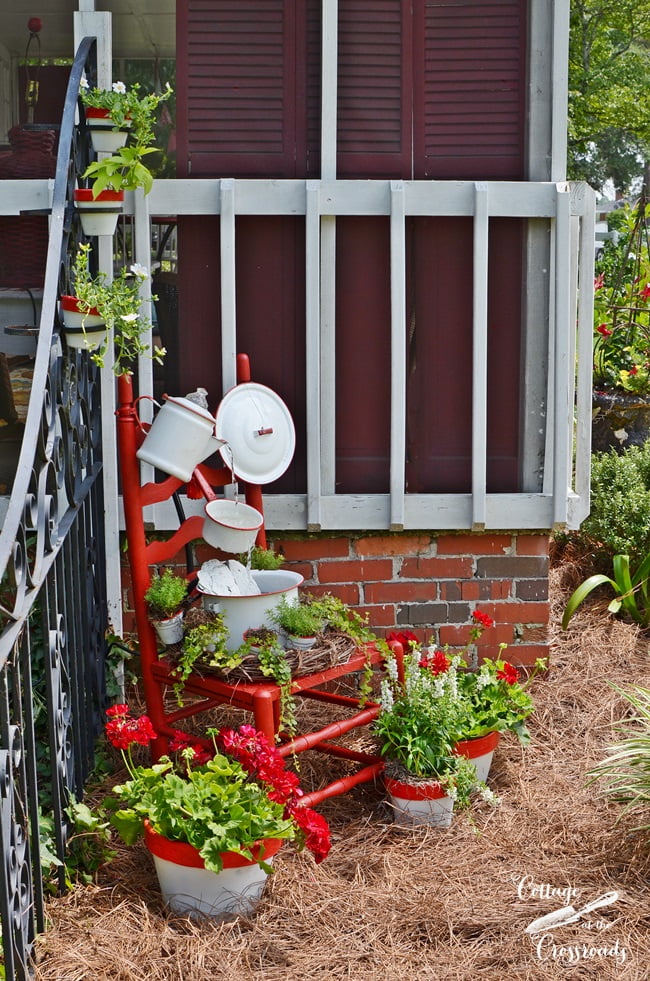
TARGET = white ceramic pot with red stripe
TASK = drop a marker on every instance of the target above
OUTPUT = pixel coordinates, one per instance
(104, 135)
(98, 215)
(423, 802)
(188, 887)
(82, 330)
(480, 751)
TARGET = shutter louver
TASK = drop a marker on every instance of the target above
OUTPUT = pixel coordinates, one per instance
(240, 87)
(374, 63)
(471, 122)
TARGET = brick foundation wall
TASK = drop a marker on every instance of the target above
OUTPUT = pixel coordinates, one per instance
(425, 583)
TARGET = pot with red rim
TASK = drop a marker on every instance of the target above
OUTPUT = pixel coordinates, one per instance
(98, 214)
(480, 751)
(106, 137)
(82, 330)
(419, 802)
(188, 887)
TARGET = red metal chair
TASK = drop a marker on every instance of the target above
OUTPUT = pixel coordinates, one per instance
(262, 700)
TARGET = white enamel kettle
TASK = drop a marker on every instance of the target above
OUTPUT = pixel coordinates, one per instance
(181, 436)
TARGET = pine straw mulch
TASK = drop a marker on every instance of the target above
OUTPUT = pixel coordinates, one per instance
(392, 904)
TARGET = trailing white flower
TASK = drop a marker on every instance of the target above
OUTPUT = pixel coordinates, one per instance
(139, 270)
(489, 796)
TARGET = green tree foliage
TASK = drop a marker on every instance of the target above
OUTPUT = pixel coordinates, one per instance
(609, 91)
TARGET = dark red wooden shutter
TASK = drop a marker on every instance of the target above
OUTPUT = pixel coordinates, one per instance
(374, 89)
(244, 88)
(469, 109)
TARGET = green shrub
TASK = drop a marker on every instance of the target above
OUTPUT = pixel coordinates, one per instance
(619, 520)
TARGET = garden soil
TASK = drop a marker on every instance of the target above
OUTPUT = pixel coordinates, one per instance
(407, 905)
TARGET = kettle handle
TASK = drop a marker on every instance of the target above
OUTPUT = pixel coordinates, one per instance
(141, 425)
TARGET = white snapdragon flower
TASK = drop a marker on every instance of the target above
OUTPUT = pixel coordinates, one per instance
(119, 88)
(386, 699)
(391, 668)
(139, 270)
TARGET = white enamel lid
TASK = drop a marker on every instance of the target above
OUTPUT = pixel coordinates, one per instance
(259, 431)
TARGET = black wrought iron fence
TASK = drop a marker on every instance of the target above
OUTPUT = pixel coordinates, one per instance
(53, 611)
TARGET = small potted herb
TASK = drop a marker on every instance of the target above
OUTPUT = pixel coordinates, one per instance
(301, 621)
(262, 558)
(164, 599)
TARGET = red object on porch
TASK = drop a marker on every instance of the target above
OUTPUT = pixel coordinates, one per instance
(263, 700)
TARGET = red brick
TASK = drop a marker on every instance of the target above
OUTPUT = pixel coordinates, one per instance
(128, 623)
(304, 569)
(520, 612)
(471, 590)
(458, 636)
(400, 592)
(526, 654)
(348, 593)
(533, 544)
(501, 589)
(502, 633)
(379, 616)
(451, 568)
(454, 636)
(377, 570)
(304, 549)
(397, 544)
(474, 544)
(451, 591)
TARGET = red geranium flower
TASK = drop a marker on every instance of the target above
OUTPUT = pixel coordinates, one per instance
(604, 330)
(508, 673)
(436, 663)
(315, 829)
(122, 732)
(483, 619)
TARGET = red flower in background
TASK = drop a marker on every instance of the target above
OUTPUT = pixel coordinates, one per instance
(437, 663)
(482, 619)
(404, 637)
(599, 281)
(508, 673)
(604, 330)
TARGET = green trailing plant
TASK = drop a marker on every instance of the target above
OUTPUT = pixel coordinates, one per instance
(630, 589)
(124, 170)
(204, 645)
(273, 663)
(625, 770)
(166, 594)
(118, 303)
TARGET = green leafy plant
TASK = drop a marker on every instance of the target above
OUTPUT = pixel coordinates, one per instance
(165, 595)
(631, 591)
(204, 645)
(118, 303)
(302, 619)
(626, 768)
(622, 311)
(262, 558)
(224, 797)
(439, 703)
(124, 169)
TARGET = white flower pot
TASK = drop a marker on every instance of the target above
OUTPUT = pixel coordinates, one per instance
(241, 612)
(188, 887)
(170, 631)
(231, 525)
(82, 331)
(480, 751)
(295, 643)
(421, 803)
(103, 135)
(98, 215)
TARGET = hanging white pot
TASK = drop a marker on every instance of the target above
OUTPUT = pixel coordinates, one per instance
(104, 136)
(188, 887)
(424, 802)
(98, 215)
(84, 331)
(180, 437)
(231, 525)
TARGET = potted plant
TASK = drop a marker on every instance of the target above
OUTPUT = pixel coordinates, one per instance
(262, 558)
(301, 621)
(488, 701)
(164, 598)
(117, 305)
(123, 170)
(214, 819)
(204, 646)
